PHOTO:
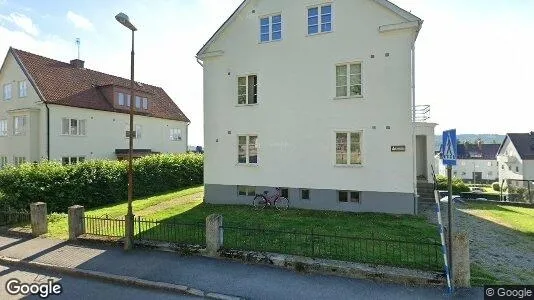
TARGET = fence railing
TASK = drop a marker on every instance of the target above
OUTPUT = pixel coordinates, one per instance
(104, 226)
(14, 218)
(420, 254)
(170, 231)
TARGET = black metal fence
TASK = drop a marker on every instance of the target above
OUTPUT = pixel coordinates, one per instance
(14, 218)
(516, 190)
(419, 254)
(170, 231)
(148, 229)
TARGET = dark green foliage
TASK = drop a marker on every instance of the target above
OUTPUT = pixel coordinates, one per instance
(496, 186)
(458, 186)
(96, 183)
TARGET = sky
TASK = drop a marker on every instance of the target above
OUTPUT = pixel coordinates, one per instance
(474, 59)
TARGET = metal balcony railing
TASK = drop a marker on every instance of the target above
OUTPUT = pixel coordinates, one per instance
(421, 113)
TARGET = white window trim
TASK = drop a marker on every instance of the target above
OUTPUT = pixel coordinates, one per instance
(309, 194)
(257, 90)
(248, 188)
(331, 3)
(70, 128)
(362, 154)
(270, 16)
(348, 197)
(25, 88)
(247, 154)
(5, 133)
(4, 91)
(26, 125)
(171, 136)
(3, 161)
(71, 157)
(17, 158)
(137, 128)
(348, 80)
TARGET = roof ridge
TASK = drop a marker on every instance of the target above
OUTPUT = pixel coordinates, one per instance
(91, 70)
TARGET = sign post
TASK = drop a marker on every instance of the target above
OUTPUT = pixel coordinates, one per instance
(449, 154)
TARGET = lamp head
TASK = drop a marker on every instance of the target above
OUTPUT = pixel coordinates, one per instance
(125, 20)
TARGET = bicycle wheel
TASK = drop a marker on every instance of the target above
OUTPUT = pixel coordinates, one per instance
(282, 203)
(259, 202)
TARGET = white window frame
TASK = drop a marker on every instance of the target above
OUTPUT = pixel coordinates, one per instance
(349, 197)
(145, 103)
(121, 99)
(19, 160)
(72, 160)
(247, 98)
(3, 127)
(270, 27)
(348, 86)
(23, 89)
(22, 130)
(250, 191)
(80, 130)
(302, 194)
(138, 128)
(175, 134)
(320, 21)
(247, 149)
(7, 91)
(138, 100)
(348, 152)
(3, 161)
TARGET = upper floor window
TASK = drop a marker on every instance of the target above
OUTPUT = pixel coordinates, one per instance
(121, 99)
(137, 102)
(3, 127)
(320, 19)
(247, 149)
(19, 125)
(348, 148)
(175, 134)
(247, 89)
(7, 91)
(349, 80)
(145, 103)
(72, 126)
(3, 161)
(136, 133)
(23, 89)
(271, 28)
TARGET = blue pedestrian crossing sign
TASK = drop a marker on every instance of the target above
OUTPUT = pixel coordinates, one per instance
(449, 147)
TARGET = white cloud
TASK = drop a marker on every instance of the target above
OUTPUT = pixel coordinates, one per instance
(23, 22)
(80, 21)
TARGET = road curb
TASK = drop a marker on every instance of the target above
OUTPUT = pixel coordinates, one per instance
(113, 278)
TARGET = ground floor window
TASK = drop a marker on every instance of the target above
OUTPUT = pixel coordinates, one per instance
(284, 192)
(245, 190)
(19, 160)
(3, 161)
(305, 194)
(349, 196)
(72, 160)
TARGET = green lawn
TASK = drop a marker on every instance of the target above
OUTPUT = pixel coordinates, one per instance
(513, 217)
(408, 241)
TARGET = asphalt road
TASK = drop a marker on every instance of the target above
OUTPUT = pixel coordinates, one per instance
(79, 288)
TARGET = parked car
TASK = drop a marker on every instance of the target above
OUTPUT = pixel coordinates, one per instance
(477, 190)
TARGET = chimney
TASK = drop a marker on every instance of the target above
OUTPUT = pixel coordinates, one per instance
(77, 63)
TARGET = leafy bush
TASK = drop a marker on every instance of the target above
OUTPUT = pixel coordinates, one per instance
(458, 186)
(96, 183)
(496, 186)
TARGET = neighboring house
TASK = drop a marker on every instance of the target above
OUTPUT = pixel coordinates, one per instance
(516, 158)
(476, 163)
(64, 112)
(314, 97)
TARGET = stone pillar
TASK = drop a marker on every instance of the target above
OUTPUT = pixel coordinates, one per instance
(214, 234)
(460, 259)
(76, 221)
(38, 218)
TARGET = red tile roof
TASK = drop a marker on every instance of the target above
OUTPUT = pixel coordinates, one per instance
(63, 84)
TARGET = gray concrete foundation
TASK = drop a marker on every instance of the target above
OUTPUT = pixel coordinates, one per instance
(39, 221)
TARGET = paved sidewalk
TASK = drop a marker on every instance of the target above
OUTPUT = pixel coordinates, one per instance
(213, 275)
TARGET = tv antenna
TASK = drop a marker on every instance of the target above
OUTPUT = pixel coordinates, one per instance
(78, 45)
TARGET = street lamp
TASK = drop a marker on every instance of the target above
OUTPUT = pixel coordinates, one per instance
(129, 220)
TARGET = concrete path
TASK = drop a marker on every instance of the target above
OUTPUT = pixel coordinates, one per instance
(212, 275)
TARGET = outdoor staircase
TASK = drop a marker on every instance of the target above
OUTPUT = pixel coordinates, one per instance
(425, 190)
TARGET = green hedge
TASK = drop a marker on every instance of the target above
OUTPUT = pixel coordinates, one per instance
(96, 183)
(458, 186)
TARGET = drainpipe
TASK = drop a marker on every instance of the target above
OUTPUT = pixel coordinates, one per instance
(414, 146)
(47, 131)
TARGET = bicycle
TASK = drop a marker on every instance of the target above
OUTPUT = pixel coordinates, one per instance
(263, 200)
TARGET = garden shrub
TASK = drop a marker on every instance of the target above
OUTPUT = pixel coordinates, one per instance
(496, 186)
(458, 186)
(96, 183)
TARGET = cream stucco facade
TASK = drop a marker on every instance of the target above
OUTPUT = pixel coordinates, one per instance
(297, 114)
(105, 131)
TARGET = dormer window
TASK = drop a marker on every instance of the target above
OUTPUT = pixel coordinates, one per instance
(137, 102)
(123, 99)
(145, 103)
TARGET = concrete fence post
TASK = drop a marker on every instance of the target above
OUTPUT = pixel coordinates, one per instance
(214, 234)
(460, 258)
(76, 221)
(38, 217)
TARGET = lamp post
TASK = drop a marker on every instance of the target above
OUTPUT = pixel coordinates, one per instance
(129, 220)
